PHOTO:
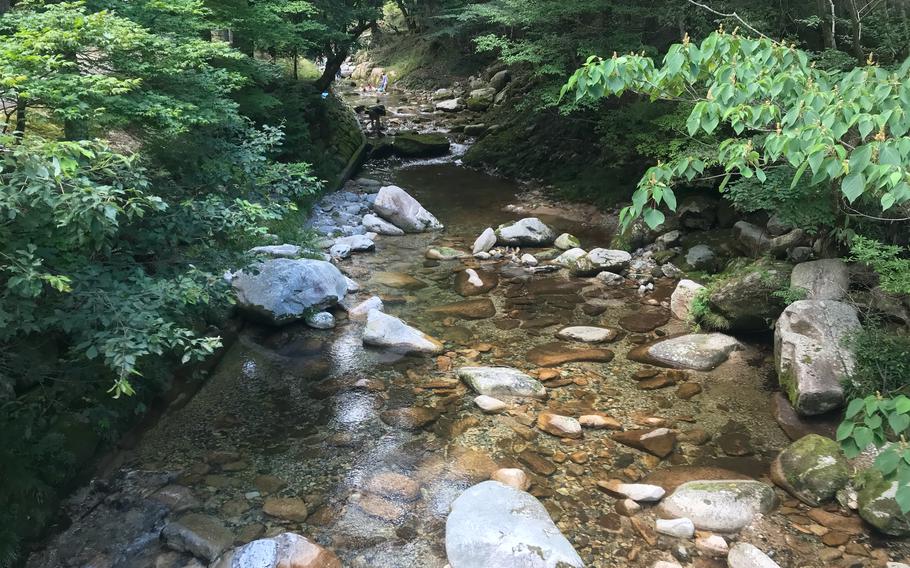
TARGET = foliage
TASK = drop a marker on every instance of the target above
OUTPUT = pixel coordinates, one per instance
(848, 130)
(800, 205)
(883, 423)
(702, 316)
(790, 295)
(890, 262)
(881, 362)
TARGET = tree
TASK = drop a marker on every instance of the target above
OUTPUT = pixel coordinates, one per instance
(339, 25)
(848, 131)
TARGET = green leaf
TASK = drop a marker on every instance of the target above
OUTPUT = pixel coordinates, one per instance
(863, 437)
(903, 498)
(898, 422)
(902, 404)
(853, 186)
(844, 430)
(887, 461)
(854, 407)
(653, 217)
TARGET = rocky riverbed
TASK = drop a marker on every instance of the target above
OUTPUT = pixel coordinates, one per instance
(369, 413)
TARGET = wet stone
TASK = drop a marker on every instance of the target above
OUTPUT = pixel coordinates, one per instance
(659, 441)
(286, 508)
(393, 486)
(409, 418)
(382, 508)
(537, 463)
(644, 321)
(201, 535)
(480, 308)
(555, 354)
(557, 425)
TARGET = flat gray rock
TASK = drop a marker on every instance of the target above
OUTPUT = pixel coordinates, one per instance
(587, 334)
(493, 525)
(721, 506)
(501, 381)
(810, 353)
(201, 535)
(283, 290)
(601, 260)
(697, 351)
(383, 330)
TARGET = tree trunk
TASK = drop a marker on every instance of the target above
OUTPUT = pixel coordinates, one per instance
(296, 64)
(857, 29)
(21, 111)
(826, 13)
(409, 19)
(333, 65)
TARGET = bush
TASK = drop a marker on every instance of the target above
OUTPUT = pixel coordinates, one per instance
(882, 362)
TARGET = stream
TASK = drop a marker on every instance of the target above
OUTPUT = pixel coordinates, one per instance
(363, 450)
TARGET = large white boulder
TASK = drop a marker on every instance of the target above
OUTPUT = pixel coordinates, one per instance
(485, 241)
(493, 525)
(383, 330)
(810, 352)
(398, 207)
(601, 260)
(530, 231)
(282, 290)
(697, 351)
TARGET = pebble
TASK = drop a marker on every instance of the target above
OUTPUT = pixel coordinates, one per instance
(679, 528)
(745, 555)
(712, 545)
(512, 477)
(489, 404)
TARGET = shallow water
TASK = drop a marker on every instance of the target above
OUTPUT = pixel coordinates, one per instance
(305, 406)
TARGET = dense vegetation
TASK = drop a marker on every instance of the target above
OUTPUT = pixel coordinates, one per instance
(143, 148)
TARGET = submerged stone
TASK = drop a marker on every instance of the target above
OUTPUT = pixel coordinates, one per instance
(383, 330)
(501, 381)
(493, 525)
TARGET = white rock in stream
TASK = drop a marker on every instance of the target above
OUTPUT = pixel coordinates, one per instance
(501, 381)
(357, 243)
(587, 334)
(566, 241)
(284, 290)
(681, 299)
(493, 525)
(320, 320)
(363, 309)
(489, 404)
(379, 225)
(485, 242)
(679, 528)
(383, 330)
(528, 260)
(722, 506)
(530, 231)
(697, 351)
(744, 555)
(397, 206)
(570, 257)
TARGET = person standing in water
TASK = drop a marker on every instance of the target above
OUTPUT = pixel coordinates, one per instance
(384, 82)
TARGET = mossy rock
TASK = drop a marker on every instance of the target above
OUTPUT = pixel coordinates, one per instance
(744, 296)
(878, 507)
(812, 469)
(420, 145)
(479, 104)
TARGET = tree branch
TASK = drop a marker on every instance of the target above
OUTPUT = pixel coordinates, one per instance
(733, 15)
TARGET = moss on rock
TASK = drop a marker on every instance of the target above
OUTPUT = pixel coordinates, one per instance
(812, 469)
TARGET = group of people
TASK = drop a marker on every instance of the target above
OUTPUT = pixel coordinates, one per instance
(383, 85)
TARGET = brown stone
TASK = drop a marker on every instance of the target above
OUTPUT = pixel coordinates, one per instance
(696, 436)
(286, 508)
(480, 308)
(393, 486)
(295, 551)
(834, 538)
(382, 508)
(548, 374)
(599, 422)
(851, 525)
(627, 507)
(659, 441)
(409, 418)
(796, 426)
(686, 391)
(537, 463)
(555, 354)
(398, 280)
(661, 381)
(644, 321)
(512, 477)
(464, 286)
